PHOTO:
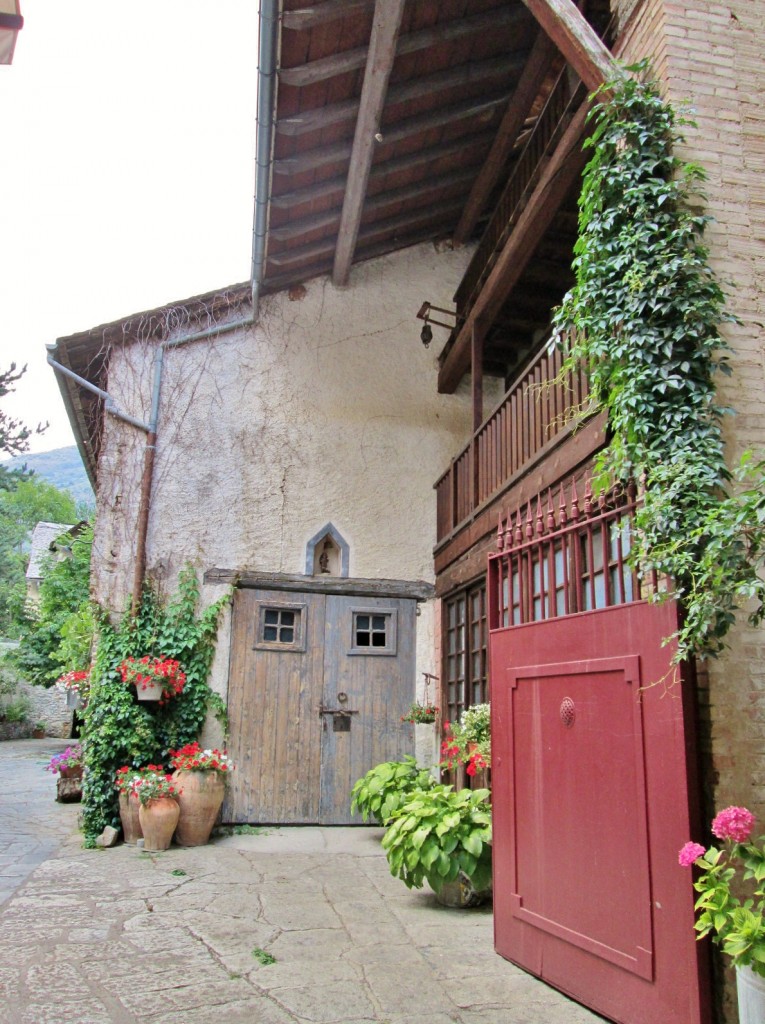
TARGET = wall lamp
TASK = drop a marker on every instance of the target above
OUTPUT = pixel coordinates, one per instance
(426, 334)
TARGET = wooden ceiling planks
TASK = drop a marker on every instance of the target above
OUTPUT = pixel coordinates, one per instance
(466, 81)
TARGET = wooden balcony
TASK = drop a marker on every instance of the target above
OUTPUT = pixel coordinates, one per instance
(535, 416)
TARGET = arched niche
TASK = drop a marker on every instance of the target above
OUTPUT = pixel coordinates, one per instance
(327, 553)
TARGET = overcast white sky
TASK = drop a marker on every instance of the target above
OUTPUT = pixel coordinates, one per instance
(127, 168)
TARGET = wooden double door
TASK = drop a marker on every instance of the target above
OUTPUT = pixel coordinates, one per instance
(317, 687)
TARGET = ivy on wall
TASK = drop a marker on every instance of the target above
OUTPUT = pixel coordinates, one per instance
(120, 731)
(644, 317)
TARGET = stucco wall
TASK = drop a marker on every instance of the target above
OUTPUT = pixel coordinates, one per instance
(326, 411)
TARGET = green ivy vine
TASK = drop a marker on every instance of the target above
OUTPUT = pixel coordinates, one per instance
(117, 729)
(644, 317)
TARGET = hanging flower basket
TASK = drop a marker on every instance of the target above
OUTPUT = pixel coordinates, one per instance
(421, 714)
(76, 686)
(157, 679)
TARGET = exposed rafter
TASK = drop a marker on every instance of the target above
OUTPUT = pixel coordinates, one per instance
(382, 53)
(473, 109)
(351, 60)
(568, 28)
(564, 167)
(518, 109)
(474, 73)
(305, 18)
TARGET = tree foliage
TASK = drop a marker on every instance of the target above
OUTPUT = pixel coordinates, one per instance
(645, 317)
(14, 436)
(27, 503)
(57, 628)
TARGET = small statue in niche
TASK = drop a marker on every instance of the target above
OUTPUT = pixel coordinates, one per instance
(324, 557)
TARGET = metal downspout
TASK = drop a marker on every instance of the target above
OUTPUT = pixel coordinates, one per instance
(269, 21)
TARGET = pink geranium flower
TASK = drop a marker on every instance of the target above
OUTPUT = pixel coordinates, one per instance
(734, 823)
(690, 853)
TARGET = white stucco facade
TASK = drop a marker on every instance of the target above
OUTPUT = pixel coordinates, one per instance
(326, 411)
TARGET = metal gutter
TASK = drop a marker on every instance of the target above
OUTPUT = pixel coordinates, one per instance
(267, 67)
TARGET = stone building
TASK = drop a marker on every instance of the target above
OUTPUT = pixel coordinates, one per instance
(285, 436)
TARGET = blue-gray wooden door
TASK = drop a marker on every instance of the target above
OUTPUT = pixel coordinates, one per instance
(317, 687)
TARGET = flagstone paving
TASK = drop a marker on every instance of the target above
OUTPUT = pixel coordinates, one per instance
(122, 936)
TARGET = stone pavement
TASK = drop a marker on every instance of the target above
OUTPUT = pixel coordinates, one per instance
(185, 937)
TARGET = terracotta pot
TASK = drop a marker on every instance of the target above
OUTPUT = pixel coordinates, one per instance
(461, 893)
(158, 819)
(200, 798)
(71, 773)
(131, 824)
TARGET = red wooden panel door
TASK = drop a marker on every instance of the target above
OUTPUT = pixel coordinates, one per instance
(593, 797)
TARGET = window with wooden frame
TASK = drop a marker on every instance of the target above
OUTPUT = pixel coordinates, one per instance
(373, 632)
(280, 627)
(465, 651)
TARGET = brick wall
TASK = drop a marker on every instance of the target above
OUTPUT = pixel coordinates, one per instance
(710, 54)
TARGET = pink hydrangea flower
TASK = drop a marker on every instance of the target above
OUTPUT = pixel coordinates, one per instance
(734, 823)
(690, 853)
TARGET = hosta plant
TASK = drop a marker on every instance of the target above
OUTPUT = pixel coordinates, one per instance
(439, 833)
(387, 786)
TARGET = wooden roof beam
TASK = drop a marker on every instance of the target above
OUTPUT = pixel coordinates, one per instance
(334, 187)
(305, 18)
(472, 109)
(576, 39)
(351, 60)
(382, 53)
(473, 73)
(558, 176)
(527, 90)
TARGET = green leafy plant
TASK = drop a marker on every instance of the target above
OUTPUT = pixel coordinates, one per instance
(439, 833)
(118, 730)
(738, 927)
(644, 318)
(264, 958)
(385, 788)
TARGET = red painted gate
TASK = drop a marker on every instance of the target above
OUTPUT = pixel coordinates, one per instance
(592, 793)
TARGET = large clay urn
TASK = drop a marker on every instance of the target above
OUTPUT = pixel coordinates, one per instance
(131, 824)
(158, 820)
(200, 795)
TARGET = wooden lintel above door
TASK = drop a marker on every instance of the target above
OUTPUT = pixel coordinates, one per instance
(417, 590)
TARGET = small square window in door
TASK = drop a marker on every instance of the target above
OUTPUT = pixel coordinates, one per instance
(373, 632)
(280, 627)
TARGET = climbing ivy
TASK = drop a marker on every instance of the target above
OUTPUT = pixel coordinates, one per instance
(644, 317)
(117, 729)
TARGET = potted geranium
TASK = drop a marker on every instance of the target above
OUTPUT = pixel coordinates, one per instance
(468, 741)
(158, 811)
(421, 713)
(200, 777)
(443, 837)
(126, 783)
(737, 926)
(76, 686)
(154, 678)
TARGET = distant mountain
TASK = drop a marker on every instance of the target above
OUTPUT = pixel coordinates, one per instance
(62, 467)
